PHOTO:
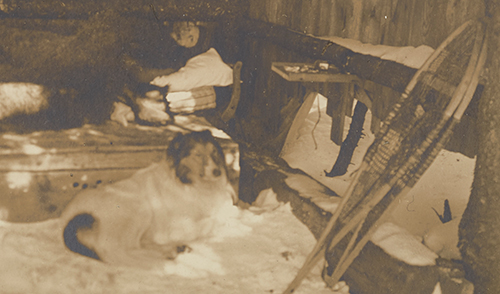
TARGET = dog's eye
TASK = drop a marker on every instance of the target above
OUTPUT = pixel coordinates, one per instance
(216, 172)
(217, 158)
(182, 173)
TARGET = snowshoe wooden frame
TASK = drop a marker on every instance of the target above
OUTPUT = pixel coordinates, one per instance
(412, 135)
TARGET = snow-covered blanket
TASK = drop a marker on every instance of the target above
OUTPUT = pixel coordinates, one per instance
(252, 253)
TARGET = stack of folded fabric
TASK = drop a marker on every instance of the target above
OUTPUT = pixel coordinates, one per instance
(193, 100)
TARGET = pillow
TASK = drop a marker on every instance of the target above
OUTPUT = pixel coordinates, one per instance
(206, 69)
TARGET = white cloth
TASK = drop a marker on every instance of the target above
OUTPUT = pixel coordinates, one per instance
(206, 69)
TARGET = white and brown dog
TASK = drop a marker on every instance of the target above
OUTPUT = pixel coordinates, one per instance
(144, 220)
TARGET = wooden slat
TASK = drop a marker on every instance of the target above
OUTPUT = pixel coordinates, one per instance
(333, 25)
(92, 147)
(371, 22)
(323, 18)
(82, 160)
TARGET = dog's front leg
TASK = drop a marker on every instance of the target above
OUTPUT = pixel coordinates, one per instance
(169, 251)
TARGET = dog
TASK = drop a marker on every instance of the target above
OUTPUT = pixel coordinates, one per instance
(149, 218)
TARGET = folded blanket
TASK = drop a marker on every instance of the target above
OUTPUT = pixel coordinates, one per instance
(193, 100)
(152, 106)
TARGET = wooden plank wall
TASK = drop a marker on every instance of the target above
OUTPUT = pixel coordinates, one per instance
(388, 22)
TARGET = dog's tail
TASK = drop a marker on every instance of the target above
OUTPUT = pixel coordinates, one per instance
(81, 221)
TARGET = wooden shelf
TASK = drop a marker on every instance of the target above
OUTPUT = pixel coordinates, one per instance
(305, 72)
(339, 97)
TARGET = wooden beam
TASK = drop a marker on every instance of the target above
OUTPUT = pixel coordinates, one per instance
(93, 147)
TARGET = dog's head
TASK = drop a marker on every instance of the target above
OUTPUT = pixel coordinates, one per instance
(197, 157)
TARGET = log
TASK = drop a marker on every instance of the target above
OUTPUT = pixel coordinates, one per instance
(384, 72)
(200, 10)
(479, 234)
(373, 271)
(262, 171)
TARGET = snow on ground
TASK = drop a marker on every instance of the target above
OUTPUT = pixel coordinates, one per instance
(449, 177)
(259, 250)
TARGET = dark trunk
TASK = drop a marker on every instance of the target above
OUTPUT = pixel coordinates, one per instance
(479, 229)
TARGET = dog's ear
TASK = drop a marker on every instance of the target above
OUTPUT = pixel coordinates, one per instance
(203, 136)
(175, 147)
(206, 133)
(207, 136)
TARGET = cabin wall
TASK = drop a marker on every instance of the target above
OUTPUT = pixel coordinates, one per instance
(270, 103)
(389, 22)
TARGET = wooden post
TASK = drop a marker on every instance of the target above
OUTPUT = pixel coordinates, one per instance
(479, 228)
(338, 102)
